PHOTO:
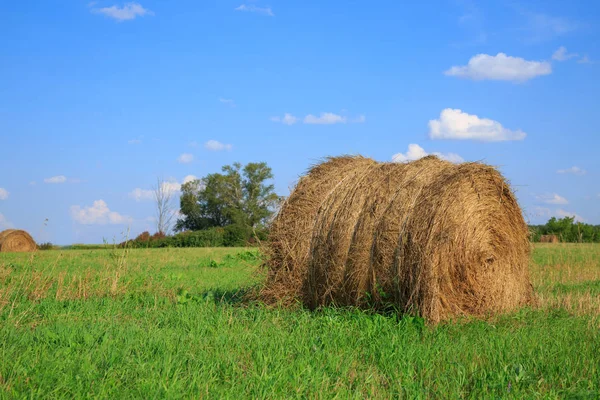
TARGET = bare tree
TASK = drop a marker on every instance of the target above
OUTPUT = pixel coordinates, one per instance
(165, 212)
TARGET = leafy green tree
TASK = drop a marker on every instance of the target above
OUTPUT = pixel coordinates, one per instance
(235, 196)
(568, 230)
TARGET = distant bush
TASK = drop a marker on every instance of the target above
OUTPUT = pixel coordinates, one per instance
(230, 236)
(46, 246)
(212, 237)
(236, 235)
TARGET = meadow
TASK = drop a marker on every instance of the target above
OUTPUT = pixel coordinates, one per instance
(171, 323)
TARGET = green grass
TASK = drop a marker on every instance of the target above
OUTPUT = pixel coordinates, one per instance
(168, 323)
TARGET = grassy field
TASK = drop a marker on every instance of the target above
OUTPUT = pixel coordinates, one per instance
(168, 323)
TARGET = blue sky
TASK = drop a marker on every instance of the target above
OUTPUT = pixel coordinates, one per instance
(99, 99)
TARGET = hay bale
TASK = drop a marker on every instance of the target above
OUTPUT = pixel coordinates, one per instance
(549, 239)
(428, 237)
(12, 240)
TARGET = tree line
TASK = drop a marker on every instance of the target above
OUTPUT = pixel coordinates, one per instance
(567, 230)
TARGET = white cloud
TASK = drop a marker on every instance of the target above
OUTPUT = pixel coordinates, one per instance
(500, 67)
(228, 102)
(128, 12)
(255, 9)
(562, 55)
(552, 199)
(189, 178)
(134, 141)
(416, 152)
(544, 212)
(141, 194)
(185, 158)
(56, 179)
(573, 170)
(585, 60)
(563, 213)
(456, 124)
(288, 119)
(214, 145)
(98, 214)
(3, 194)
(326, 118)
(4, 223)
(543, 27)
(172, 186)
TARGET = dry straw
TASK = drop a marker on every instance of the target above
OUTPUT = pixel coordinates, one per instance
(12, 240)
(549, 239)
(428, 237)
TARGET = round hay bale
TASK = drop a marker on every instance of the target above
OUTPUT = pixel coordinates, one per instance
(12, 240)
(428, 237)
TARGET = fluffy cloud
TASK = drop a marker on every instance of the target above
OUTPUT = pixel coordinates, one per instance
(544, 212)
(214, 145)
(139, 194)
(228, 102)
(98, 214)
(128, 12)
(255, 9)
(325, 118)
(585, 60)
(563, 213)
(562, 55)
(56, 179)
(573, 170)
(172, 186)
(288, 119)
(185, 158)
(4, 223)
(189, 178)
(3, 194)
(543, 27)
(500, 67)
(456, 124)
(552, 199)
(416, 152)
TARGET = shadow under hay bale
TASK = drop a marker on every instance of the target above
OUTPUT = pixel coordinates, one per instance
(427, 237)
(12, 240)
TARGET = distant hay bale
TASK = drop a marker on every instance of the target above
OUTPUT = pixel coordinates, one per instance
(12, 240)
(549, 239)
(428, 237)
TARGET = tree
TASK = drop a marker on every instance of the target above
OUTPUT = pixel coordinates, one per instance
(568, 230)
(235, 196)
(165, 213)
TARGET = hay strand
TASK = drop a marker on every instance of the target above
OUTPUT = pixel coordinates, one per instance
(12, 240)
(428, 237)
